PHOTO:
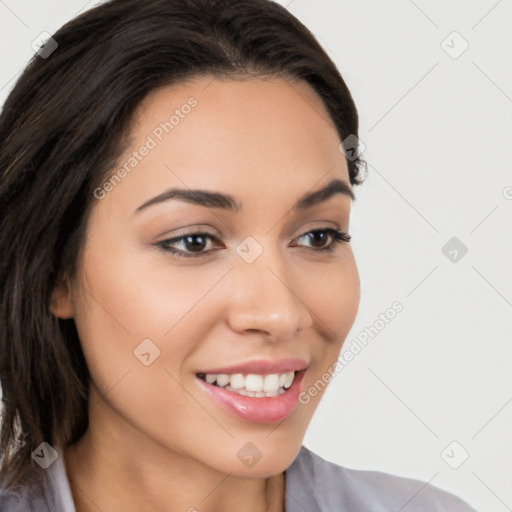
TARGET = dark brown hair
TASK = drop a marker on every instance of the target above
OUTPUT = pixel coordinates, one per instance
(63, 127)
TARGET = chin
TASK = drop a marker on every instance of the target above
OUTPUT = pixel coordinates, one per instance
(260, 456)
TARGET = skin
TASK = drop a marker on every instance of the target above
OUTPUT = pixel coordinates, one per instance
(156, 441)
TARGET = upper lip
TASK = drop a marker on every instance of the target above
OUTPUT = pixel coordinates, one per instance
(260, 367)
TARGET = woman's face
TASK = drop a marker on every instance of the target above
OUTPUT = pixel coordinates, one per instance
(253, 294)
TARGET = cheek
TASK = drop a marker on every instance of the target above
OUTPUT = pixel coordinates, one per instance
(124, 311)
(332, 294)
(334, 300)
(132, 304)
(137, 296)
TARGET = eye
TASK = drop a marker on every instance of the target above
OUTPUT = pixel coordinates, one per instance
(318, 237)
(193, 245)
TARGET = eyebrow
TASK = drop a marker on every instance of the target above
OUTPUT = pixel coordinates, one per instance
(229, 203)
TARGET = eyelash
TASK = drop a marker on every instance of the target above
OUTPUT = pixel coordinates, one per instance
(338, 237)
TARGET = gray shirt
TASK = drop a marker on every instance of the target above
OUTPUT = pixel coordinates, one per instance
(312, 485)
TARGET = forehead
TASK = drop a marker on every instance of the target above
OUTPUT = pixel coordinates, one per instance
(248, 135)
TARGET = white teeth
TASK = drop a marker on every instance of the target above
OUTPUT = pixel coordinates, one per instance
(271, 383)
(253, 385)
(237, 381)
(222, 379)
(289, 380)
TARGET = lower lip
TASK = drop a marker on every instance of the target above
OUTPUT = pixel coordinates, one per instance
(258, 410)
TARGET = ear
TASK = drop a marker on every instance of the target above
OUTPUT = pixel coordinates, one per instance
(61, 304)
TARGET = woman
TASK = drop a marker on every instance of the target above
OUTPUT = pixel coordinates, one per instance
(177, 177)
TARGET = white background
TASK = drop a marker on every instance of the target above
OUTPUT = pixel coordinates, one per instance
(437, 132)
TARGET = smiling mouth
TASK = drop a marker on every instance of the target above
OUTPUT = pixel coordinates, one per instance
(251, 385)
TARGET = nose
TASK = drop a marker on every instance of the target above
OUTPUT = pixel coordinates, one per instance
(265, 299)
